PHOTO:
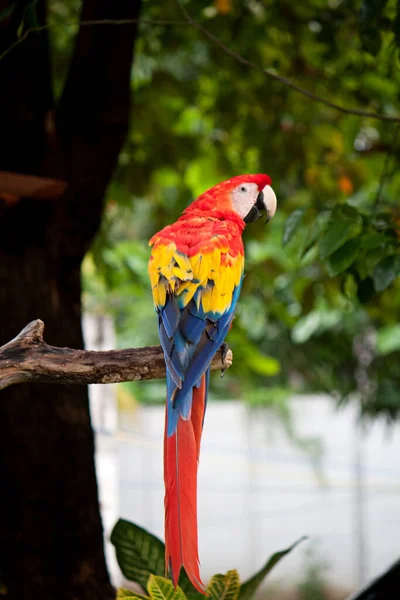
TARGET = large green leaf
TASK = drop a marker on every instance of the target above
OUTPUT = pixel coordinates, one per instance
(249, 587)
(139, 553)
(340, 231)
(224, 587)
(160, 588)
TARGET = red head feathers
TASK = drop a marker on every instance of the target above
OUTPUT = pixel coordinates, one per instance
(242, 195)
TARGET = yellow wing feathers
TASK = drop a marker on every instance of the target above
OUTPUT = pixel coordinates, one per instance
(213, 272)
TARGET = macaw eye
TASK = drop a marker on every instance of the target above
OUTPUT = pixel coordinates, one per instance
(243, 189)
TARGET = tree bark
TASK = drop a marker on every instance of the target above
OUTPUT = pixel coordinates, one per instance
(28, 359)
(51, 543)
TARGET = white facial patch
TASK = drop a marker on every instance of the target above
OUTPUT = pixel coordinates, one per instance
(269, 200)
(244, 197)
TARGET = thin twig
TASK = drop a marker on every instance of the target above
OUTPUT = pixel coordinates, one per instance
(244, 61)
(117, 22)
(27, 358)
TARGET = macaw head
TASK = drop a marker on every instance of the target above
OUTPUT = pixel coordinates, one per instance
(249, 196)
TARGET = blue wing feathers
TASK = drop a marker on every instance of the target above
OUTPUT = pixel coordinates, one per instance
(192, 328)
(189, 338)
(170, 315)
(167, 345)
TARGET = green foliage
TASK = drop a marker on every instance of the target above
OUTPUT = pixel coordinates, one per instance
(388, 339)
(386, 272)
(370, 22)
(140, 556)
(249, 588)
(123, 593)
(342, 229)
(328, 265)
(138, 552)
(226, 587)
(158, 588)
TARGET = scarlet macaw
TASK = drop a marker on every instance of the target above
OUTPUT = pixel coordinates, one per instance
(196, 272)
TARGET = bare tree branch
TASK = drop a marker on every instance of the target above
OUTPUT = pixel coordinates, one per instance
(27, 358)
(31, 186)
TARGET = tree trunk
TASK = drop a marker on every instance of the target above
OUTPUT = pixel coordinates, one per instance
(51, 542)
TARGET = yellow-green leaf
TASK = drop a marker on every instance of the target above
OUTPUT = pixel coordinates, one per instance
(122, 594)
(160, 588)
(224, 587)
(264, 365)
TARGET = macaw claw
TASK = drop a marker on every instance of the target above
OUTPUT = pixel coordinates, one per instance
(226, 357)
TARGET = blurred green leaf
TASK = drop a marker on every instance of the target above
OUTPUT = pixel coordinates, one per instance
(249, 587)
(315, 321)
(262, 364)
(339, 232)
(350, 287)
(386, 272)
(291, 225)
(369, 18)
(305, 327)
(388, 339)
(341, 260)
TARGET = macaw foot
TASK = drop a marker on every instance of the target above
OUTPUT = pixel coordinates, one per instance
(226, 357)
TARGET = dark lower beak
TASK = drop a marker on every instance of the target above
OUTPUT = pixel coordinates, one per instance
(257, 210)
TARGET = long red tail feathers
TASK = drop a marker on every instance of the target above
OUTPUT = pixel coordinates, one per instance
(181, 453)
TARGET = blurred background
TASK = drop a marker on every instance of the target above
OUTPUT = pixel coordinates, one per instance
(301, 435)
